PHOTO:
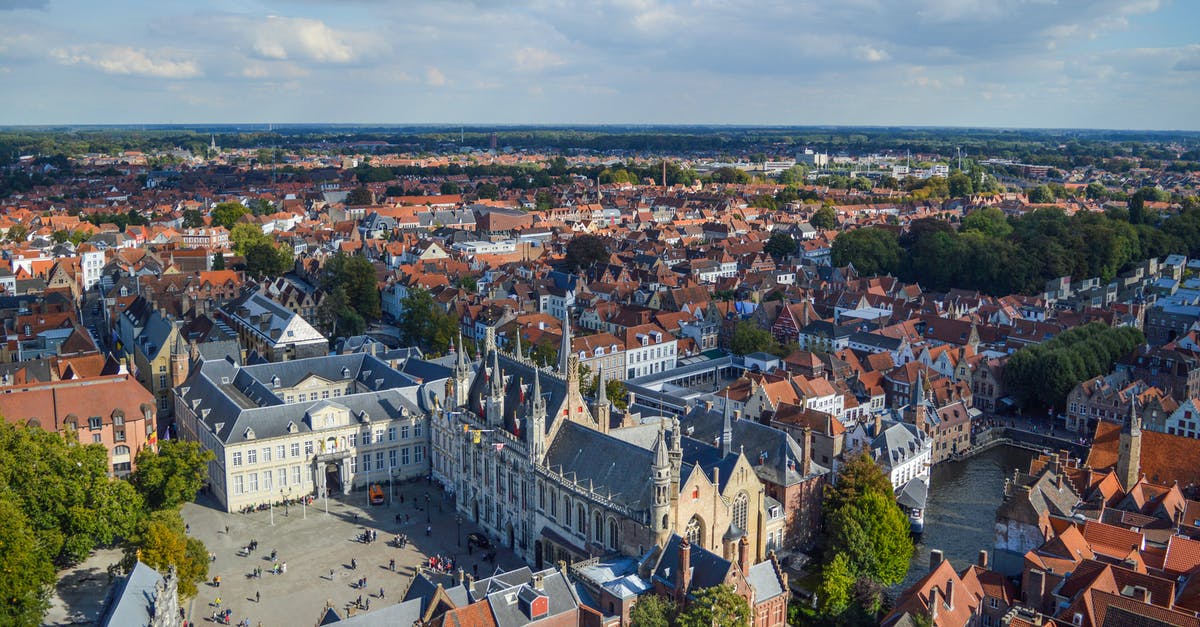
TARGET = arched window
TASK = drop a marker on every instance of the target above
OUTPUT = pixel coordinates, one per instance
(695, 531)
(740, 506)
(580, 519)
(613, 531)
(121, 450)
(566, 512)
(553, 505)
(598, 528)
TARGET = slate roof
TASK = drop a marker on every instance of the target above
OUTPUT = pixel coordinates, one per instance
(134, 598)
(755, 440)
(708, 568)
(765, 581)
(610, 464)
(517, 375)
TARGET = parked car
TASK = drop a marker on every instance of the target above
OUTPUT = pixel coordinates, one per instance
(479, 540)
(376, 494)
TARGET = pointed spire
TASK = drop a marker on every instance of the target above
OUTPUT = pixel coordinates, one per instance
(461, 362)
(1135, 420)
(564, 350)
(726, 428)
(918, 391)
(537, 387)
(520, 355)
(660, 447)
(497, 379)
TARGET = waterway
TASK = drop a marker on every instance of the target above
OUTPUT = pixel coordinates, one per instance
(961, 507)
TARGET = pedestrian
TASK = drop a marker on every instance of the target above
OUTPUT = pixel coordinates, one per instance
(353, 564)
(368, 606)
(381, 593)
(257, 597)
(475, 569)
(187, 528)
(331, 574)
(428, 530)
(392, 565)
(359, 601)
(226, 529)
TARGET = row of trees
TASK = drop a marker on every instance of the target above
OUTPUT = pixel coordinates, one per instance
(717, 606)
(999, 255)
(1046, 373)
(264, 256)
(58, 504)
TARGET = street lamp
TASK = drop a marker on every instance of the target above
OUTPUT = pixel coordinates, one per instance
(427, 513)
(458, 521)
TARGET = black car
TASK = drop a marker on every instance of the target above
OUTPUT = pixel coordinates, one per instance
(479, 540)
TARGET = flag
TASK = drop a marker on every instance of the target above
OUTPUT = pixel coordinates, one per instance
(153, 438)
(499, 446)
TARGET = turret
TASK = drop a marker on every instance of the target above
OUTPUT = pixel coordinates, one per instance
(537, 420)
(660, 505)
(726, 429)
(1129, 455)
(601, 408)
(675, 455)
(564, 348)
(495, 397)
(462, 374)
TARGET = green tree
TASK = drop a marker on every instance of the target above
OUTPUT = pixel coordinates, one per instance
(424, 323)
(449, 187)
(162, 542)
(585, 251)
(1040, 195)
(990, 221)
(858, 476)
(60, 236)
(359, 196)
(17, 233)
(242, 236)
(717, 606)
(872, 250)
(543, 201)
(837, 583)
(652, 610)
(487, 190)
(218, 261)
(615, 390)
(873, 532)
(173, 475)
(26, 573)
(79, 237)
(227, 214)
(265, 259)
(748, 338)
(780, 245)
(824, 218)
(959, 185)
(357, 276)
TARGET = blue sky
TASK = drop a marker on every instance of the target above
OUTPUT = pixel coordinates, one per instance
(1005, 63)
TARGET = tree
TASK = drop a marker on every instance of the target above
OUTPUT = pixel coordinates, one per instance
(837, 582)
(748, 338)
(449, 187)
(614, 390)
(959, 185)
(17, 233)
(173, 475)
(585, 251)
(227, 214)
(717, 606)
(780, 245)
(26, 573)
(1041, 195)
(60, 236)
(359, 196)
(242, 236)
(990, 221)
(873, 533)
(218, 261)
(871, 250)
(824, 218)
(858, 476)
(652, 610)
(162, 542)
(487, 190)
(265, 259)
(357, 276)
(424, 323)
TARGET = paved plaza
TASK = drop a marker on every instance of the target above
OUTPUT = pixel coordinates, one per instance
(313, 543)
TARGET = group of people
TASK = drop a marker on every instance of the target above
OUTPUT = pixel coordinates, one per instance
(441, 564)
(368, 536)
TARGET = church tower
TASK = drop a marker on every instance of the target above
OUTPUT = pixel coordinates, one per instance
(180, 354)
(726, 430)
(1129, 457)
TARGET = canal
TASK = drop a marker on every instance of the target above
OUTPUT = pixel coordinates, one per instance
(961, 508)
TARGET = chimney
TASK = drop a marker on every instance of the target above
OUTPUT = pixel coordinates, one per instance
(737, 414)
(1140, 593)
(983, 558)
(537, 582)
(1058, 481)
(459, 576)
(806, 468)
(684, 578)
(935, 559)
(744, 556)
(1036, 589)
(950, 594)
(878, 424)
(934, 604)
(708, 405)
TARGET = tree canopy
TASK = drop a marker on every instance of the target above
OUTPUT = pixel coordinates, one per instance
(360, 196)
(227, 214)
(872, 250)
(780, 245)
(357, 277)
(748, 338)
(1045, 373)
(424, 323)
(585, 251)
(652, 610)
(171, 476)
(824, 218)
(717, 606)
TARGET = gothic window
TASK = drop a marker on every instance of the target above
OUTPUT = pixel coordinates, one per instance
(613, 531)
(566, 512)
(695, 530)
(580, 519)
(740, 505)
(598, 528)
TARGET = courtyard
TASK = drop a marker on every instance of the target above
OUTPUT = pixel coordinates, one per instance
(318, 549)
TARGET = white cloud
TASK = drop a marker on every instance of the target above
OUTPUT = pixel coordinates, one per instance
(872, 55)
(127, 60)
(301, 38)
(536, 59)
(434, 76)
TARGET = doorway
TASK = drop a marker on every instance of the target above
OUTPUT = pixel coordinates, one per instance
(333, 478)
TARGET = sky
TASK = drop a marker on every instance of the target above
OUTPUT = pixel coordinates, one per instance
(1123, 64)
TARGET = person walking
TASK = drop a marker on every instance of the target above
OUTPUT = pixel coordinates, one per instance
(392, 565)
(257, 596)
(381, 593)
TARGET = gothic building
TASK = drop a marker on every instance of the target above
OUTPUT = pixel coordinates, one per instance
(558, 477)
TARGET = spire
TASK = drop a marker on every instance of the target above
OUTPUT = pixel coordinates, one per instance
(726, 429)
(519, 354)
(600, 392)
(660, 447)
(564, 350)
(1135, 420)
(918, 391)
(461, 361)
(497, 380)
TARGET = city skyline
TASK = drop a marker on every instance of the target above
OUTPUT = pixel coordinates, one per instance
(1068, 64)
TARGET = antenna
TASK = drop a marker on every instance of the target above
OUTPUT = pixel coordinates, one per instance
(959, 149)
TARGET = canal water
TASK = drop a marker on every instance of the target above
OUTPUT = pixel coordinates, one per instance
(961, 508)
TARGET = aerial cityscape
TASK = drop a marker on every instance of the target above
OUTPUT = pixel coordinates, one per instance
(632, 313)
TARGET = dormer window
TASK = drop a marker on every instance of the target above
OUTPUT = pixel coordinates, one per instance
(275, 382)
(345, 373)
(248, 434)
(291, 427)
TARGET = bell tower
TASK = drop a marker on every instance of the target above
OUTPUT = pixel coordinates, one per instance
(537, 420)
(462, 374)
(660, 505)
